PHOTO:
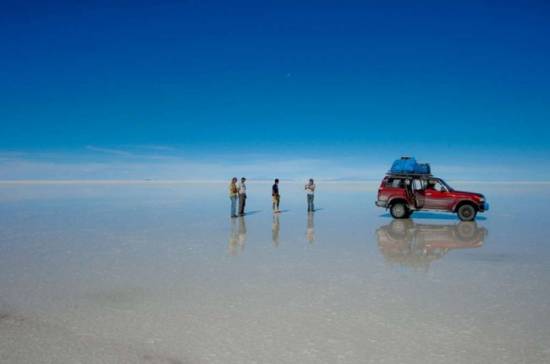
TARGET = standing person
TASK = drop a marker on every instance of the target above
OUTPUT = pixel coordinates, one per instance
(233, 195)
(242, 196)
(310, 191)
(276, 196)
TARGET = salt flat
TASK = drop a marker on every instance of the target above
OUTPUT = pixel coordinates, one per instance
(159, 273)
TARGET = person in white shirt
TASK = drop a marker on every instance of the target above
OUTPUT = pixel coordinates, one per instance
(242, 196)
(310, 191)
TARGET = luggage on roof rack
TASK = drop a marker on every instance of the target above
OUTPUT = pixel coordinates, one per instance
(409, 175)
(409, 165)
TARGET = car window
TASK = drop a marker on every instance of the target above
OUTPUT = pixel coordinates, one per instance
(436, 185)
(395, 183)
(418, 185)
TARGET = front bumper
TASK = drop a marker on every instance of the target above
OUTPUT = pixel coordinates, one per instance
(484, 206)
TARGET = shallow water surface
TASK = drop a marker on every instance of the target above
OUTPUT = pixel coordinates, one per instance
(159, 273)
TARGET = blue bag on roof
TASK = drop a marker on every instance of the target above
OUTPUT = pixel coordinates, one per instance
(409, 165)
(403, 165)
(422, 168)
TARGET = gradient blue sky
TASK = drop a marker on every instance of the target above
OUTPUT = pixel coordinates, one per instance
(184, 89)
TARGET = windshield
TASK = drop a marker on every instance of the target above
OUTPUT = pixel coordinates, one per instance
(449, 188)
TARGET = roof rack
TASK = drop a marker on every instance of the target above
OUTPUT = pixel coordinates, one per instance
(424, 175)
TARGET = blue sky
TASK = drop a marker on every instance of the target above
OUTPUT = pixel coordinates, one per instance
(184, 89)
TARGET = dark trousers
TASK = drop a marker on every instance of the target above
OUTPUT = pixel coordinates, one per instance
(242, 203)
(310, 206)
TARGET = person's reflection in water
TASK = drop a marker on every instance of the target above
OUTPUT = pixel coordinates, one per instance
(233, 245)
(237, 236)
(415, 245)
(275, 227)
(310, 231)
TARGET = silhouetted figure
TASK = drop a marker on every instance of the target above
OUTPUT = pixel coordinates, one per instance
(276, 196)
(242, 196)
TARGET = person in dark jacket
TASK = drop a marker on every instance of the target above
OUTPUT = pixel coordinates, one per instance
(276, 196)
(242, 196)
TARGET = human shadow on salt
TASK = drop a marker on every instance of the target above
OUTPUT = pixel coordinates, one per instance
(252, 212)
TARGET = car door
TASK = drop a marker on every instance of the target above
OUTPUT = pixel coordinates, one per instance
(419, 192)
(436, 196)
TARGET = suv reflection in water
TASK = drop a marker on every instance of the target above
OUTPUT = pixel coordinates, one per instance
(408, 243)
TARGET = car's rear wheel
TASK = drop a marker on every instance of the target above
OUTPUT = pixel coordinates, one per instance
(399, 211)
(466, 212)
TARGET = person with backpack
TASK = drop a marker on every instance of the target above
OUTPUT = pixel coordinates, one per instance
(276, 197)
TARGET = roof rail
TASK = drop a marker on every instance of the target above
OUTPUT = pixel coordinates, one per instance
(425, 175)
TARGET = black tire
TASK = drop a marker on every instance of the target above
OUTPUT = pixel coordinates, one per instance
(466, 212)
(399, 210)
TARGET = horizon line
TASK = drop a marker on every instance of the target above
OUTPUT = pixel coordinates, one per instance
(189, 181)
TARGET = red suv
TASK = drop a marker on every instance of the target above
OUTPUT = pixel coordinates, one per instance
(404, 194)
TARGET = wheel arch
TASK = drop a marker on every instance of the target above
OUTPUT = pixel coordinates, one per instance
(394, 200)
(465, 202)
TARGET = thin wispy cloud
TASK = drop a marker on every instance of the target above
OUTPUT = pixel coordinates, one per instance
(111, 151)
(161, 148)
(112, 163)
(8, 156)
(139, 152)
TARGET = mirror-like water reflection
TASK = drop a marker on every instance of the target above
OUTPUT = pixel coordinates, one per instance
(237, 236)
(414, 244)
(310, 230)
(237, 232)
(145, 274)
(276, 229)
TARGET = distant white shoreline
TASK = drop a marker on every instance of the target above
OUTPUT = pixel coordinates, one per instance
(162, 182)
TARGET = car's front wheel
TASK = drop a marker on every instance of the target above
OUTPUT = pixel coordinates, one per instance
(466, 212)
(399, 211)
